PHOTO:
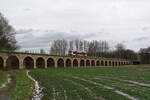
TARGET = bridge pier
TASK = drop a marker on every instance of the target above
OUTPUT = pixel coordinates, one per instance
(64, 64)
(34, 61)
(71, 63)
(45, 63)
(4, 64)
(21, 66)
(55, 64)
(79, 64)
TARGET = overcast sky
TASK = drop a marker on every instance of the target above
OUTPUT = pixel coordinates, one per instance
(38, 22)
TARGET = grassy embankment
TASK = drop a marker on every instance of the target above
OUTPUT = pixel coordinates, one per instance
(77, 83)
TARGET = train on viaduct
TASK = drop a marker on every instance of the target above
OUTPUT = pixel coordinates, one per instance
(25, 60)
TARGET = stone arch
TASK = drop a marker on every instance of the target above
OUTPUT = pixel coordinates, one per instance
(50, 63)
(106, 64)
(87, 63)
(92, 63)
(1, 63)
(82, 63)
(28, 62)
(60, 63)
(75, 63)
(68, 63)
(12, 62)
(40, 63)
(97, 63)
(110, 63)
(102, 63)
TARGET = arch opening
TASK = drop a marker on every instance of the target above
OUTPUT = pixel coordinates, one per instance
(50, 63)
(113, 63)
(116, 64)
(1, 63)
(93, 63)
(40, 63)
(87, 63)
(120, 63)
(124, 63)
(75, 63)
(106, 63)
(28, 63)
(110, 63)
(97, 63)
(82, 63)
(60, 63)
(102, 63)
(68, 63)
(12, 62)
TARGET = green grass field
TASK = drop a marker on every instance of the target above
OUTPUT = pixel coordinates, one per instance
(95, 83)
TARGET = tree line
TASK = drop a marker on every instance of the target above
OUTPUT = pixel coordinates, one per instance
(93, 48)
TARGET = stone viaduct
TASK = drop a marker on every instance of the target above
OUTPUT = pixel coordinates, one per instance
(22, 60)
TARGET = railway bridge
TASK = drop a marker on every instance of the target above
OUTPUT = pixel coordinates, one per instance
(26, 60)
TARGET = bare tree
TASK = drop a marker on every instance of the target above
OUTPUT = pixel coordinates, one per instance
(7, 35)
(64, 46)
(106, 46)
(81, 45)
(71, 45)
(98, 48)
(77, 41)
(85, 45)
(59, 46)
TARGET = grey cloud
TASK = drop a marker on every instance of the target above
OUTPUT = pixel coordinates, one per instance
(29, 39)
(23, 31)
(145, 28)
(124, 21)
(143, 38)
(27, 9)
